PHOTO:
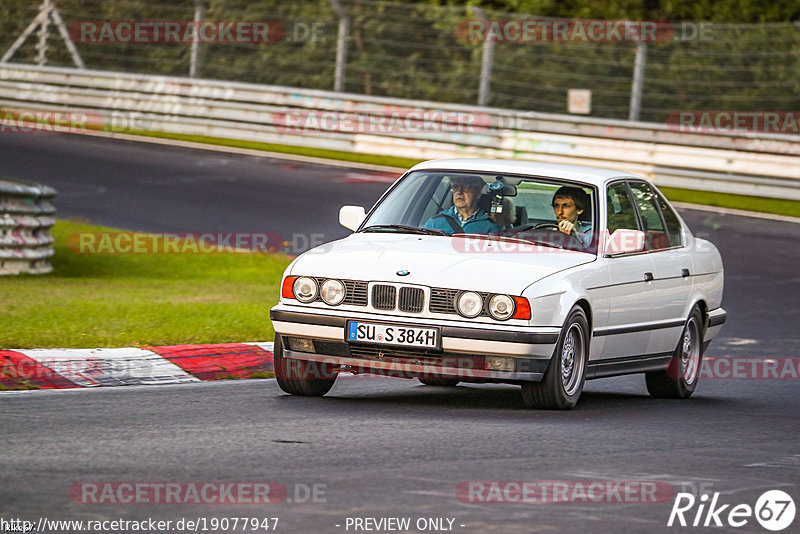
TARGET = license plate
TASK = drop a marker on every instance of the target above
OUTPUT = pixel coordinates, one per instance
(387, 334)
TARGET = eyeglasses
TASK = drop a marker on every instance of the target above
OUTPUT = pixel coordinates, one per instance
(463, 187)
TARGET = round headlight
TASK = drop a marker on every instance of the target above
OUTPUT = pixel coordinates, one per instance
(501, 307)
(469, 304)
(332, 292)
(305, 289)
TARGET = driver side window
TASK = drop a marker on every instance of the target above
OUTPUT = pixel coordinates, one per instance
(621, 213)
(439, 201)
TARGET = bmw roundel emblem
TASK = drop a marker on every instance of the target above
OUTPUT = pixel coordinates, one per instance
(403, 272)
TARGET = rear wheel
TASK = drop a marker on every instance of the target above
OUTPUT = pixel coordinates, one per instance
(300, 377)
(443, 382)
(679, 380)
(563, 381)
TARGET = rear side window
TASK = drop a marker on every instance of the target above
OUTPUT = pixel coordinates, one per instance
(673, 224)
(621, 213)
(653, 225)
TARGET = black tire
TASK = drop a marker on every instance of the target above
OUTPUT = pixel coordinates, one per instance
(300, 377)
(563, 381)
(441, 382)
(679, 379)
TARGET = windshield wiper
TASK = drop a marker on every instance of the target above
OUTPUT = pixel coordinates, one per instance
(403, 229)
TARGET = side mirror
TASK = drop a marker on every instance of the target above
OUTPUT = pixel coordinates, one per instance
(623, 241)
(351, 217)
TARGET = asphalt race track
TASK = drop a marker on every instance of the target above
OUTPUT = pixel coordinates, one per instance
(384, 448)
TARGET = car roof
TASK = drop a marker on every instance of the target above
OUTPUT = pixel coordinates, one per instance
(590, 175)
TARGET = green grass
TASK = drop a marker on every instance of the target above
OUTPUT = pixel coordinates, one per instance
(724, 200)
(741, 202)
(139, 299)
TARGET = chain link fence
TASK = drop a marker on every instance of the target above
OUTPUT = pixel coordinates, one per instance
(420, 51)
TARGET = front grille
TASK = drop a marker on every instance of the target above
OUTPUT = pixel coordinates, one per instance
(371, 352)
(416, 356)
(443, 300)
(411, 299)
(384, 297)
(355, 292)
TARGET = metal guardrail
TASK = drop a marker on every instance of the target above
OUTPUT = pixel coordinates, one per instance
(26, 216)
(746, 163)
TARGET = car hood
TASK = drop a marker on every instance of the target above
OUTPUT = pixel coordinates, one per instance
(495, 266)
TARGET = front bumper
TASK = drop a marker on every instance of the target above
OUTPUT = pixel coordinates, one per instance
(464, 352)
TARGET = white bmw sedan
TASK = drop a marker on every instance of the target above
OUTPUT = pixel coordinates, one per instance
(471, 270)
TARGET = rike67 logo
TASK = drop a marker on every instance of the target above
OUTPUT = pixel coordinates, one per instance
(774, 510)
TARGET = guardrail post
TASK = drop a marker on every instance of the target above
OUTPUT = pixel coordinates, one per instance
(26, 216)
(638, 80)
(341, 45)
(195, 55)
(486, 63)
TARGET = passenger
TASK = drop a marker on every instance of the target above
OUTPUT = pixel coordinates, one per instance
(464, 216)
(568, 204)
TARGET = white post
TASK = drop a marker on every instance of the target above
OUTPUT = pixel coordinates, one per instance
(638, 81)
(341, 45)
(486, 64)
(195, 54)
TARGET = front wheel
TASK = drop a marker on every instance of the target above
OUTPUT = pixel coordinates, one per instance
(300, 377)
(679, 380)
(563, 381)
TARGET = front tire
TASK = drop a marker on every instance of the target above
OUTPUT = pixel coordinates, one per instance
(563, 381)
(300, 377)
(679, 380)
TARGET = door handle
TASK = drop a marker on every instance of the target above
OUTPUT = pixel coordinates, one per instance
(648, 277)
(684, 272)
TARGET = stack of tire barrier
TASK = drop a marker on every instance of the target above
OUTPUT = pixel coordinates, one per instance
(26, 216)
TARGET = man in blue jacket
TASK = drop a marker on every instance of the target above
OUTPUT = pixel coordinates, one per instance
(464, 216)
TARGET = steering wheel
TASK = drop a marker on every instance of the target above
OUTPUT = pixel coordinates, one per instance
(554, 226)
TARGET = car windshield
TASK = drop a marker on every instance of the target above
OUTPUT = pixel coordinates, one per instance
(545, 211)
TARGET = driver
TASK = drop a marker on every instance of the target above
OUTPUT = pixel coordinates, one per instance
(464, 216)
(568, 204)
